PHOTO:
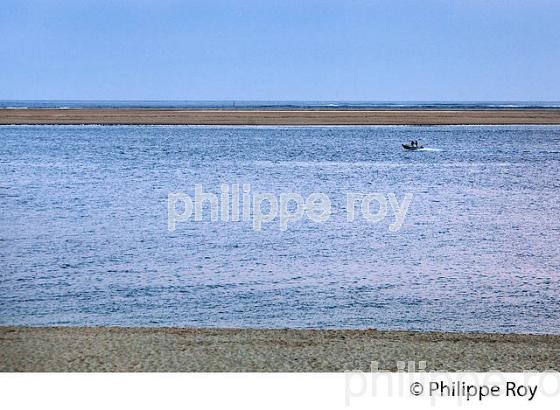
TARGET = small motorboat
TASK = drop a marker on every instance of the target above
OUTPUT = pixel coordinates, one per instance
(412, 147)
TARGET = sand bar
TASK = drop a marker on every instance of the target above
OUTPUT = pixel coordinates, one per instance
(279, 117)
(240, 350)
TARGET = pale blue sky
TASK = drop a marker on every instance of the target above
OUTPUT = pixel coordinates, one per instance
(281, 50)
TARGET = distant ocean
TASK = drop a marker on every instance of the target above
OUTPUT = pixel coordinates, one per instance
(280, 104)
(84, 234)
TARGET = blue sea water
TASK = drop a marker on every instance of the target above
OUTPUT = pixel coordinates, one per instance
(280, 104)
(84, 238)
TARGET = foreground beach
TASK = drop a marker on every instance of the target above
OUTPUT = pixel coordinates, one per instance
(279, 117)
(241, 350)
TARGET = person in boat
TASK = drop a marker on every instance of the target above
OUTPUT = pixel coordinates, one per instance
(411, 143)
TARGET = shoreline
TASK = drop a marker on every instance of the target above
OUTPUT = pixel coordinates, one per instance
(142, 349)
(196, 116)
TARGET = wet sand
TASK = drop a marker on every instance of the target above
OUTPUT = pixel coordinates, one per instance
(279, 117)
(242, 350)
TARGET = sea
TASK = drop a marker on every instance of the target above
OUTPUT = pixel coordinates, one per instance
(62, 104)
(85, 237)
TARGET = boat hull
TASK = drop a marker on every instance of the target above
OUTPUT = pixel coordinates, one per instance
(411, 148)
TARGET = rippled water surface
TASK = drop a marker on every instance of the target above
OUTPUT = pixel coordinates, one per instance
(84, 238)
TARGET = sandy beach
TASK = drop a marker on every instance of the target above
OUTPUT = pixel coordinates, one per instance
(279, 117)
(244, 350)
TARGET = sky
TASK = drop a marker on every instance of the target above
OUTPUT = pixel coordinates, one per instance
(353, 50)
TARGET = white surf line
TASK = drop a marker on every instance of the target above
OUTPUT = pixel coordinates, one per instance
(325, 110)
